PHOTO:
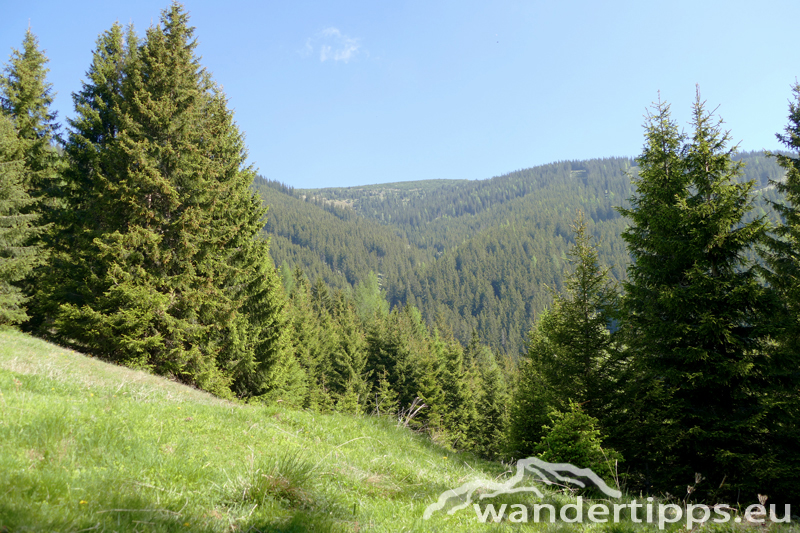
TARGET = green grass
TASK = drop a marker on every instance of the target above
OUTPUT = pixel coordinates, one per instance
(88, 446)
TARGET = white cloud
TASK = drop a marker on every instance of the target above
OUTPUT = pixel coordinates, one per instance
(333, 45)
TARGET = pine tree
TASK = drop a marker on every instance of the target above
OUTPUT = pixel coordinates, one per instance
(17, 256)
(782, 258)
(88, 210)
(694, 320)
(177, 280)
(579, 367)
(572, 356)
(26, 96)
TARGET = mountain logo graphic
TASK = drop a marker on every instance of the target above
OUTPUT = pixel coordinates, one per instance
(541, 471)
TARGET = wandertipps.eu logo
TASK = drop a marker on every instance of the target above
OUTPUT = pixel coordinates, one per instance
(530, 469)
(481, 497)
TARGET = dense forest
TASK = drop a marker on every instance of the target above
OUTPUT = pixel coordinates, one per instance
(484, 256)
(641, 311)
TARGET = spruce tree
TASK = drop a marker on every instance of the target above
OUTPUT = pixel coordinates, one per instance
(533, 398)
(572, 356)
(26, 96)
(492, 406)
(782, 258)
(694, 319)
(782, 253)
(177, 280)
(17, 229)
(579, 365)
(347, 375)
(87, 210)
(460, 410)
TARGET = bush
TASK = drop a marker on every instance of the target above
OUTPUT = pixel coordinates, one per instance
(574, 438)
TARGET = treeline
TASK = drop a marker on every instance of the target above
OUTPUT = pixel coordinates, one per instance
(137, 238)
(134, 237)
(487, 256)
(356, 356)
(690, 368)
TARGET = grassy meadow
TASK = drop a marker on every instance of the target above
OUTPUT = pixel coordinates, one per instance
(89, 446)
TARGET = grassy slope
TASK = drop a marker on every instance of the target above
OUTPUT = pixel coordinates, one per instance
(88, 446)
(84, 443)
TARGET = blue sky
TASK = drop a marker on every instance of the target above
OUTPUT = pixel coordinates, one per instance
(359, 92)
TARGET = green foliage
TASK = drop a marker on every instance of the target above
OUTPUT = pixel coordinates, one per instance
(370, 298)
(695, 313)
(581, 364)
(481, 254)
(782, 261)
(158, 264)
(385, 398)
(18, 254)
(572, 356)
(573, 437)
(491, 404)
(533, 399)
(26, 96)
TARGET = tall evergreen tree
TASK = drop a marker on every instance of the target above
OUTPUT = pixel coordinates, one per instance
(88, 210)
(492, 406)
(17, 256)
(178, 282)
(782, 254)
(580, 368)
(26, 96)
(572, 356)
(694, 309)
(782, 259)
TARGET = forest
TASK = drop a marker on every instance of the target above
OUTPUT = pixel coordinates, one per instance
(639, 310)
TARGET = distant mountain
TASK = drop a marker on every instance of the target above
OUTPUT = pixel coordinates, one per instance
(484, 255)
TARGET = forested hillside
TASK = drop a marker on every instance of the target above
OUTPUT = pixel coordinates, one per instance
(483, 255)
(659, 297)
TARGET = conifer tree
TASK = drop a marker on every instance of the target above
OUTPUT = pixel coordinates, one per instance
(385, 398)
(492, 406)
(87, 210)
(571, 353)
(578, 367)
(178, 281)
(17, 229)
(695, 321)
(26, 96)
(310, 342)
(347, 374)
(533, 399)
(782, 253)
(459, 402)
(370, 298)
(782, 258)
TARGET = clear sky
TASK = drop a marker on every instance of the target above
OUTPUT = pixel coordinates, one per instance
(358, 92)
